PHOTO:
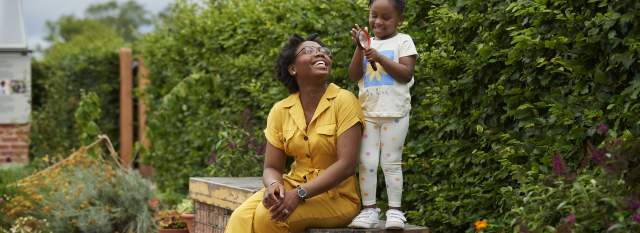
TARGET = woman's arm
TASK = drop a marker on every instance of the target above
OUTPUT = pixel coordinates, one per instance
(272, 175)
(348, 147)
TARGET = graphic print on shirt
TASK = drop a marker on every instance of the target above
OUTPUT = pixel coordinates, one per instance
(380, 77)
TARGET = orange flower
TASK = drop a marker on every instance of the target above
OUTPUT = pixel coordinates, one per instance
(480, 225)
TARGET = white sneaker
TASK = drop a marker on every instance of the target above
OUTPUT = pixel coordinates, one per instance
(395, 219)
(368, 218)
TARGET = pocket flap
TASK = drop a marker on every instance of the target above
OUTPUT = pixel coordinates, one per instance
(327, 129)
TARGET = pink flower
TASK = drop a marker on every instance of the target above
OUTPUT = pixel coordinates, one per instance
(636, 217)
(634, 204)
(598, 156)
(559, 167)
(571, 219)
(602, 129)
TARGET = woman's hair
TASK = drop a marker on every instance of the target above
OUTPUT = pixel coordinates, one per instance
(398, 3)
(288, 56)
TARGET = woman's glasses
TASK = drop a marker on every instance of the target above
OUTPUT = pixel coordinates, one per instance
(310, 50)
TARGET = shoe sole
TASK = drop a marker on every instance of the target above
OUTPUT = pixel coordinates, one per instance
(394, 227)
(370, 226)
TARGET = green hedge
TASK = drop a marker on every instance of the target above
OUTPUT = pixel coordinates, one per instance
(212, 80)
(501, 86)
(87, 62)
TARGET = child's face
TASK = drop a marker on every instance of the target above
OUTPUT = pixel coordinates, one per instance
(384, 18)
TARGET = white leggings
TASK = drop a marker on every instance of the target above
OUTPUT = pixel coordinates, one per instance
(382, 140)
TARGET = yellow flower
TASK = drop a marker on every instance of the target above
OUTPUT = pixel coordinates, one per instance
(480, 224)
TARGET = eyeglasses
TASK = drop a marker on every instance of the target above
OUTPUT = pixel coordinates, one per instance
(309, 50)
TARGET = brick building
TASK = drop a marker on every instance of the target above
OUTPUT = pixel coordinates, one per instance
(15, 85)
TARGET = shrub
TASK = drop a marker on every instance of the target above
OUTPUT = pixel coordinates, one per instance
(87, 62)
(84, 193)
(502, 86)
(212, 80)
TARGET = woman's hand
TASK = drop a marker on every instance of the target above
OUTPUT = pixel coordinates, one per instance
(273, 195)
(284, 209)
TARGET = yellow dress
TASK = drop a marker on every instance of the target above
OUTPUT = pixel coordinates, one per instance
(314, 150)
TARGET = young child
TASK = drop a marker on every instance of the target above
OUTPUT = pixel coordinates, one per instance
(386, 101)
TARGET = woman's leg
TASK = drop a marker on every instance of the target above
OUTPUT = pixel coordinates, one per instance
(369, 160)
(241, 220)
(393, 134)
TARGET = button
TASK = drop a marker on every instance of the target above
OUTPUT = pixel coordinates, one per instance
(306, 138)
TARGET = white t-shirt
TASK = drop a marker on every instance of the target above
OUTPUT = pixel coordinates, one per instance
(380, 95)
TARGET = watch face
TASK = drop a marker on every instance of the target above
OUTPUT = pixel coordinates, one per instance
(301, 192)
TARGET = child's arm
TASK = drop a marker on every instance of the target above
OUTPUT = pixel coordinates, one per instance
(355, 68)
(401, 72)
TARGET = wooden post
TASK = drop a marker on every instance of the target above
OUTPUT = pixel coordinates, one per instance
(143, 81)
(126, 107)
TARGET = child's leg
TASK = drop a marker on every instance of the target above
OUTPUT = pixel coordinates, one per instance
(394, 131)
(369, 159)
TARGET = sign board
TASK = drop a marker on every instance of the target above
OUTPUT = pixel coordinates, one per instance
(15, 87)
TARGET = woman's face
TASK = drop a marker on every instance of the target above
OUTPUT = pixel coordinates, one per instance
(312, 60)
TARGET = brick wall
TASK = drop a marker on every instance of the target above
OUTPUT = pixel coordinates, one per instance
(14, 143)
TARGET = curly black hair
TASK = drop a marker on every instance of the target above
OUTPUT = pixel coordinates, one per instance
(400, 5)
(288, 56)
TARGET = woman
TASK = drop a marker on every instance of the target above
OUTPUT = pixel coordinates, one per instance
(320, 125)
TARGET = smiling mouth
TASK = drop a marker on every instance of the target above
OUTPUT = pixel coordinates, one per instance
(320, 64)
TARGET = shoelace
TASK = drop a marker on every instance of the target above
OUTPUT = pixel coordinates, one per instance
(396, 214)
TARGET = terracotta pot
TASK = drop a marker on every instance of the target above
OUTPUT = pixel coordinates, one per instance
(189, 218)
(173, 231)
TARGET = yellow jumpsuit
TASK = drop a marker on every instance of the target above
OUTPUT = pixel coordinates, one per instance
(314, 150)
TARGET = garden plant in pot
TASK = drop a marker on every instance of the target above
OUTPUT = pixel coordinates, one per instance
(169, 221)
(186, 210)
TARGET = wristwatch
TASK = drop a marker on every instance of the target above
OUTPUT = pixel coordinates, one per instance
(302, 194)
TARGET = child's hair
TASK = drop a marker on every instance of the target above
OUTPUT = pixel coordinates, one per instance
(399, 5)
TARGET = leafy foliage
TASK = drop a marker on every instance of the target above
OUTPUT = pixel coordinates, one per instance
(88, 62)
(212, 80)
(85, 193)
(501, 87)
(504, 85)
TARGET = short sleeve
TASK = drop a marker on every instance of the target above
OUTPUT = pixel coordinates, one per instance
(273, 132)
(348, 111)
(407, 48)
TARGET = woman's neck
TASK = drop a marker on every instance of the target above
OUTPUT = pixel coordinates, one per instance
(310, 97)
(312, 94)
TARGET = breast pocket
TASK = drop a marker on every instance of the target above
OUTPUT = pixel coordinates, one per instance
(327, 130)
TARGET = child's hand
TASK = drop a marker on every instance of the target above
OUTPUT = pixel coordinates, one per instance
(372, 55)
(354, 33)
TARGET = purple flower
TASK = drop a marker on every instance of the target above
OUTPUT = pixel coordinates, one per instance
(636, 217)
(598, 156)
(571, 219)
(213, 156)
(634, 204)
(559, 167)
(602, 129)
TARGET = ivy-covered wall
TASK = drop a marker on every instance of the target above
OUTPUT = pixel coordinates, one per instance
(501, 87)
